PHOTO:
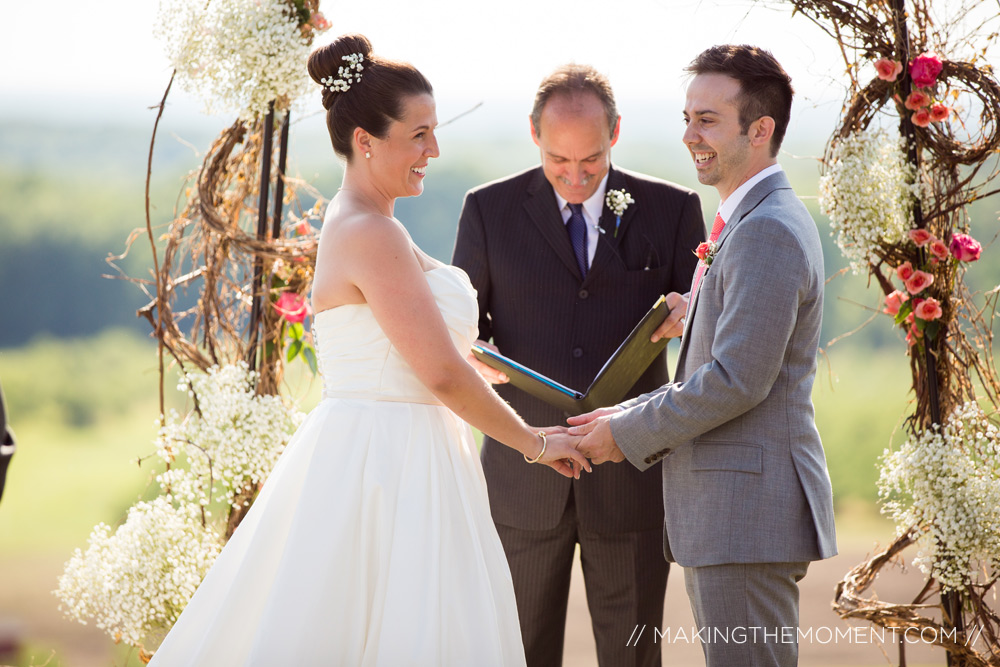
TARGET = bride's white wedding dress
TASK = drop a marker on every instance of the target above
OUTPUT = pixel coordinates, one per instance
(371, 542)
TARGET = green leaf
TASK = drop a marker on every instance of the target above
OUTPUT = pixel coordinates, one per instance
(931, 329)
(296, 330)
(310, 355)
(294, 349)
(904, 311)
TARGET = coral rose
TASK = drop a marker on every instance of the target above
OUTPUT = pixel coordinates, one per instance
(964, 248)
(920, 237)
(928, 310)
(904, 271)
(704, 250)
(303, 228)
(293, 307)
(319, 22)
(924, 69)
(940, 112)
(917, 100)
(887, 69)
(918, 282)
(921, 117)
(939, 249)
(894, 301)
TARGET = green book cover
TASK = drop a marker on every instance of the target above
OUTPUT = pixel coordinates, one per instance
(615, 378)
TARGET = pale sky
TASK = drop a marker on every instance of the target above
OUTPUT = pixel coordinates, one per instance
(81, 52)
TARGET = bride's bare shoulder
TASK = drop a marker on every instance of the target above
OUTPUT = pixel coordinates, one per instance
(353, 231)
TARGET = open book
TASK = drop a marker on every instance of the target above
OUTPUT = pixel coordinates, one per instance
(618, 375)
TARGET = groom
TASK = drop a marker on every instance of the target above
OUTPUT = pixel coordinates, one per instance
(745, 485)
(561, 282)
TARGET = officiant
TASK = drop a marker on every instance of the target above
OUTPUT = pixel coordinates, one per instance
(567, 257)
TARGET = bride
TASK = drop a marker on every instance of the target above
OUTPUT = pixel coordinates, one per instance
(371, 542)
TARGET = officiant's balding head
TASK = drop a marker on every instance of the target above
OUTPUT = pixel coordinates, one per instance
(574, 123)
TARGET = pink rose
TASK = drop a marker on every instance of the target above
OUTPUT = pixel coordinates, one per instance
(904, 271)
(303, 228)
(964, 248)
(918, 282)
(921, 117)
(939, 249)
(913, 335)
(703, 250)
(939, 112)
(924, 69)
(928, 310)
(894, 301)
(887, 69)
(293, 307)
(319, 22)
(920, 237)
(917, 100)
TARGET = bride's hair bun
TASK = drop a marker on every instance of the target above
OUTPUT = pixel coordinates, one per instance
(325, 63)
(360, 89)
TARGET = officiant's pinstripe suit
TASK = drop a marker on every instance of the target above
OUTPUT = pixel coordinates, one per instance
(513, 243)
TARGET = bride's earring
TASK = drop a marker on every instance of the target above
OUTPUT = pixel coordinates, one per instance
(368, 155)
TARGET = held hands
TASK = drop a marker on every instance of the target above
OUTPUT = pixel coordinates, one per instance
(598, 443)
(561, 453)
(491, 375)
(673, 326)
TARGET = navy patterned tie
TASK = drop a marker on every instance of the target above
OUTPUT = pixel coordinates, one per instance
(577, 228)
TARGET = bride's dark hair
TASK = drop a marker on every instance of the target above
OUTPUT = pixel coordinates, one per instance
(373, 101)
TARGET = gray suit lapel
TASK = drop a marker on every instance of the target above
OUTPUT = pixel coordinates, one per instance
(543, 210)
(752, 200)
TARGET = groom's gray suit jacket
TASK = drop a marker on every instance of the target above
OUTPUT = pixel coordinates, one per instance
(744, 473)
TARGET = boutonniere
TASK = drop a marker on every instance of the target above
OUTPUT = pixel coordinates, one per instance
(618, 201)
(706, 251)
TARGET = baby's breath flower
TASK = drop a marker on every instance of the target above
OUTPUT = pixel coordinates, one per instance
(867, 190)
(135, 581)
(238, 55)
(944, 483)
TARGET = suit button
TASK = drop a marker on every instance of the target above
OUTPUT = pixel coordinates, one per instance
(583, 294)
(577, 352)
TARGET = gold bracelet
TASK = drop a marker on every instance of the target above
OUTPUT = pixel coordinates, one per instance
(541, 434)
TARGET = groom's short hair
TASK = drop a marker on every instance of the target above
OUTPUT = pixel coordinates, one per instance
(765, 87)
(574, 79)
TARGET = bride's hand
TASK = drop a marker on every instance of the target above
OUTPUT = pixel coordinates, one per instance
(561, 454)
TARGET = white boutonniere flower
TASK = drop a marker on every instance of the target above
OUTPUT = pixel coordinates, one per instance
(618, 201)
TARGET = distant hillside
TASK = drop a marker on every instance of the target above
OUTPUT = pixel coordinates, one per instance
(71, 194)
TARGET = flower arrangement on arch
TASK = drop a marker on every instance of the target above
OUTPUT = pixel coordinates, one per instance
(214, 460)
(924, 71)
(239, 55)
(943, 484)
(913, 307)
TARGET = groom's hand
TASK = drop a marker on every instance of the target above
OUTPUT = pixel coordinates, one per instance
(673, 326)
(490, 374)
(598, 443)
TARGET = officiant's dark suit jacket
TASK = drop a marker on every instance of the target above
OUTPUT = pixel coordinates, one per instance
(535, 307)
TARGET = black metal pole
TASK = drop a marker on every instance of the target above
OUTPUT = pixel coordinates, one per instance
(256, 307)
(279, 185)
(951, 602)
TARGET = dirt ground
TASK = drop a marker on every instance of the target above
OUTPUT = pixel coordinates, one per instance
(827, 648)
(27, 609)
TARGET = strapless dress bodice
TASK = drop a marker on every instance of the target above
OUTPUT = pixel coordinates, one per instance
(357, 360)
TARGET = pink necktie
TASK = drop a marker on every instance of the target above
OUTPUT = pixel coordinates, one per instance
(712, 238)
